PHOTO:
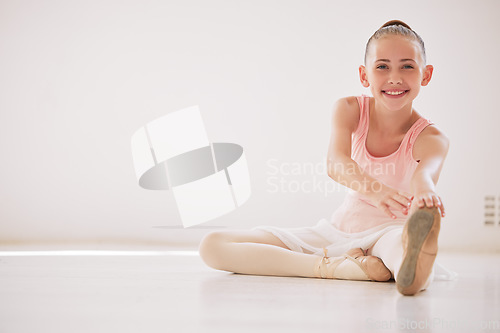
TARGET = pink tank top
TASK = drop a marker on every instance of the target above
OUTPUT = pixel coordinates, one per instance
(394, 170)
(357, 213)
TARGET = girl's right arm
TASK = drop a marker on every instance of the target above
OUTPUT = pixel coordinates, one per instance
(344, 170)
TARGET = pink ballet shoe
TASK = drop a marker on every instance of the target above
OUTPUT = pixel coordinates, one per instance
(353, 265)
(420, 243)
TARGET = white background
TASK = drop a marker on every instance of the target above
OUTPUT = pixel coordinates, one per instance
(78, 78)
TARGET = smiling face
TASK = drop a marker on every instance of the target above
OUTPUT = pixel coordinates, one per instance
(394, 71)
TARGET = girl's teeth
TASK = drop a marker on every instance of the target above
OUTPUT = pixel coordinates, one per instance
(394, 92)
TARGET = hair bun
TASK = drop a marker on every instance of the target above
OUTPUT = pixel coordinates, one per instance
(396, 22)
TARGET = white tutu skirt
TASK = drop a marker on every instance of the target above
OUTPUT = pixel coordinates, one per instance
(312, 240)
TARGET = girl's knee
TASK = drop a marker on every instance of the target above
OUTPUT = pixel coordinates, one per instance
(211, 247)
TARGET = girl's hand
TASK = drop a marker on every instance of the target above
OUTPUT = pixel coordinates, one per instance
(429, 199)
(389, 199)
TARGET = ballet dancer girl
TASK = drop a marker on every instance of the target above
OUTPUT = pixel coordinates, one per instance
(388, 225)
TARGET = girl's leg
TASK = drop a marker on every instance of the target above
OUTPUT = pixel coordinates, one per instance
(259, 252)
(389, 248)
(255, 252)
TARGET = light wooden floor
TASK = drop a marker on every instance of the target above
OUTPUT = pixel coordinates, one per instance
(175, 292)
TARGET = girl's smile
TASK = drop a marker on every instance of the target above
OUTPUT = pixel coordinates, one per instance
(394, 93)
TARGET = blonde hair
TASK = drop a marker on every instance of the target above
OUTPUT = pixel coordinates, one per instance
(396, 27)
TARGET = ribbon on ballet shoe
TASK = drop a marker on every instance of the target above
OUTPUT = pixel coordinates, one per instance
(350, 270)
(346, 267)
(327, 267)
(325, 254)
(321, 269)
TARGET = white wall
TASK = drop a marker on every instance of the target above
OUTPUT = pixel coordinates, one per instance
(77, 78)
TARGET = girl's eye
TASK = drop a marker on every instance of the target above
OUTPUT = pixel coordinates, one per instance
(407, 66)
(381, 66)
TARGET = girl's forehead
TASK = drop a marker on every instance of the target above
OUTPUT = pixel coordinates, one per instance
(394, 46)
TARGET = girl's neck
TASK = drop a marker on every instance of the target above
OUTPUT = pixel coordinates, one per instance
(392, 122)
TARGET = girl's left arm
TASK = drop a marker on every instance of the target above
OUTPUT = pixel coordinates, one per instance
(431, 148)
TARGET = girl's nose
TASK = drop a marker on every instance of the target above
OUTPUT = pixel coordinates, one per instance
(395, 79)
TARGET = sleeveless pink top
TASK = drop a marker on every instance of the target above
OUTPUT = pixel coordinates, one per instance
(357, 213)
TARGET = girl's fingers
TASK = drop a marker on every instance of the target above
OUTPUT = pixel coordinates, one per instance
(388, 212)
(391, 204)
(438, 204)
(441, 207)
(403, 199)
(407, 195)
(396, 204)
(429, 201)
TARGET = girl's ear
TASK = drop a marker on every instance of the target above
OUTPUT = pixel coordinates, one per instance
(427, 75)
(363, 77)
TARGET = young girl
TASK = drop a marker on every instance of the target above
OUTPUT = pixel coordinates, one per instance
(390, 158)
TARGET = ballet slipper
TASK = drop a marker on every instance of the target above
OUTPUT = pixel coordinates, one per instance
(353, 265)
(420, 244)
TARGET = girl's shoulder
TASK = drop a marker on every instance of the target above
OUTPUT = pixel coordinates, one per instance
(349, 102)
(432, 131)
(431, 139)
(346, 112)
